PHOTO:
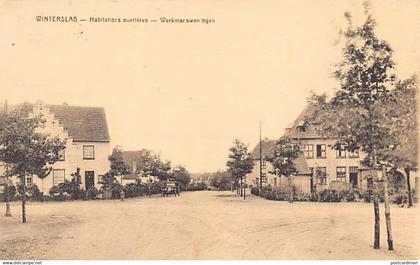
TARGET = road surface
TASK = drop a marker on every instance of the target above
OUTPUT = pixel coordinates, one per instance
(204, 225)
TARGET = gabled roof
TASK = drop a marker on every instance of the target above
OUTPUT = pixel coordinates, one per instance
(132, 156)
(83, 124)
(310, 132)
(268, 147)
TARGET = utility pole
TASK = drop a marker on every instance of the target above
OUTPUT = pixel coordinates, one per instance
(260, 159)
(8, 212)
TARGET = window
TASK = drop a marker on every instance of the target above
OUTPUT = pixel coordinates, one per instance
(88, 152)
(301, 128)
(321, 174)
(341, 174)
(354, 154)
(62, 155)
(263, 164)
(309, 151)
(58, 176)
(321, 151)
(264, 177)
(341, 152)
(100, 179)
(353, 169)
(29, 181)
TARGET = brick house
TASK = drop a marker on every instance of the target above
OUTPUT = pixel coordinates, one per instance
(85, 131)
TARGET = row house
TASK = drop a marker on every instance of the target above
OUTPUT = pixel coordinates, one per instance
(337, 167)
(85, 131)
(327, 166)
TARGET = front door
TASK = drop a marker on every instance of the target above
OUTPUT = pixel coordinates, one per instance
(89, 179)
(353, 179)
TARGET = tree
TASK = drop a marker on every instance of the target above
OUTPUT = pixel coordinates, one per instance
(240, 162)
(282, 159)
(150, 164)
(26, 151)
(221, 180)
(118, 166)
(356, 113)
(402, 121)
(181, 174)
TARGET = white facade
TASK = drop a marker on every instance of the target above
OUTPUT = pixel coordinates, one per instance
(338, 165)
(91, 157)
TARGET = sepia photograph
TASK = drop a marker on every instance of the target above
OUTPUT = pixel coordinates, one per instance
(213, 130)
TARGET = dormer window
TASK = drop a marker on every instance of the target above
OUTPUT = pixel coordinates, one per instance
(300, 127)
(61, 155)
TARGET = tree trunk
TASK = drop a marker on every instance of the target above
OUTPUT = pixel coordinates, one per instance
(8, 213)
(387, 210)
(410, 199)
(24, 201)
(244, 184)
(376, 244)
(377, 236)
(241, 187)
(290, 190)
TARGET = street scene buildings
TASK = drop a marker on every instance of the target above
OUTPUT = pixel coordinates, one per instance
(342, 168)
(85, 131)
(233, 130)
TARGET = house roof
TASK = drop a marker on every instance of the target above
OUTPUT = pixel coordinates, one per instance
(310, 132)
(132, 156)
(83, 124)
(268, 147)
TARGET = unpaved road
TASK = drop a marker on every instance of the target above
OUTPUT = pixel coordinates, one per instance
(204, 225)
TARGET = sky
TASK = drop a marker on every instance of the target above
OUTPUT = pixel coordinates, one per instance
(187, 91)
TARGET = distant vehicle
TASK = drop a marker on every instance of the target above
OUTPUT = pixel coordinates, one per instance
(171, 187)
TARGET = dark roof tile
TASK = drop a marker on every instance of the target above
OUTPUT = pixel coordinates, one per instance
(84, 124)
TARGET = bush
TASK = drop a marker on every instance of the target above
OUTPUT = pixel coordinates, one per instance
(58, 193)
(68, 190)
(12, 193)
(156, 187)
(32, 192)
(91, 193)
(196, 186)
(328, 195)
(116, 190)
(133, 190)
(255, 191)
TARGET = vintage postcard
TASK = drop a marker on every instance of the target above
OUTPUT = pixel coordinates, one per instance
(209, 130)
